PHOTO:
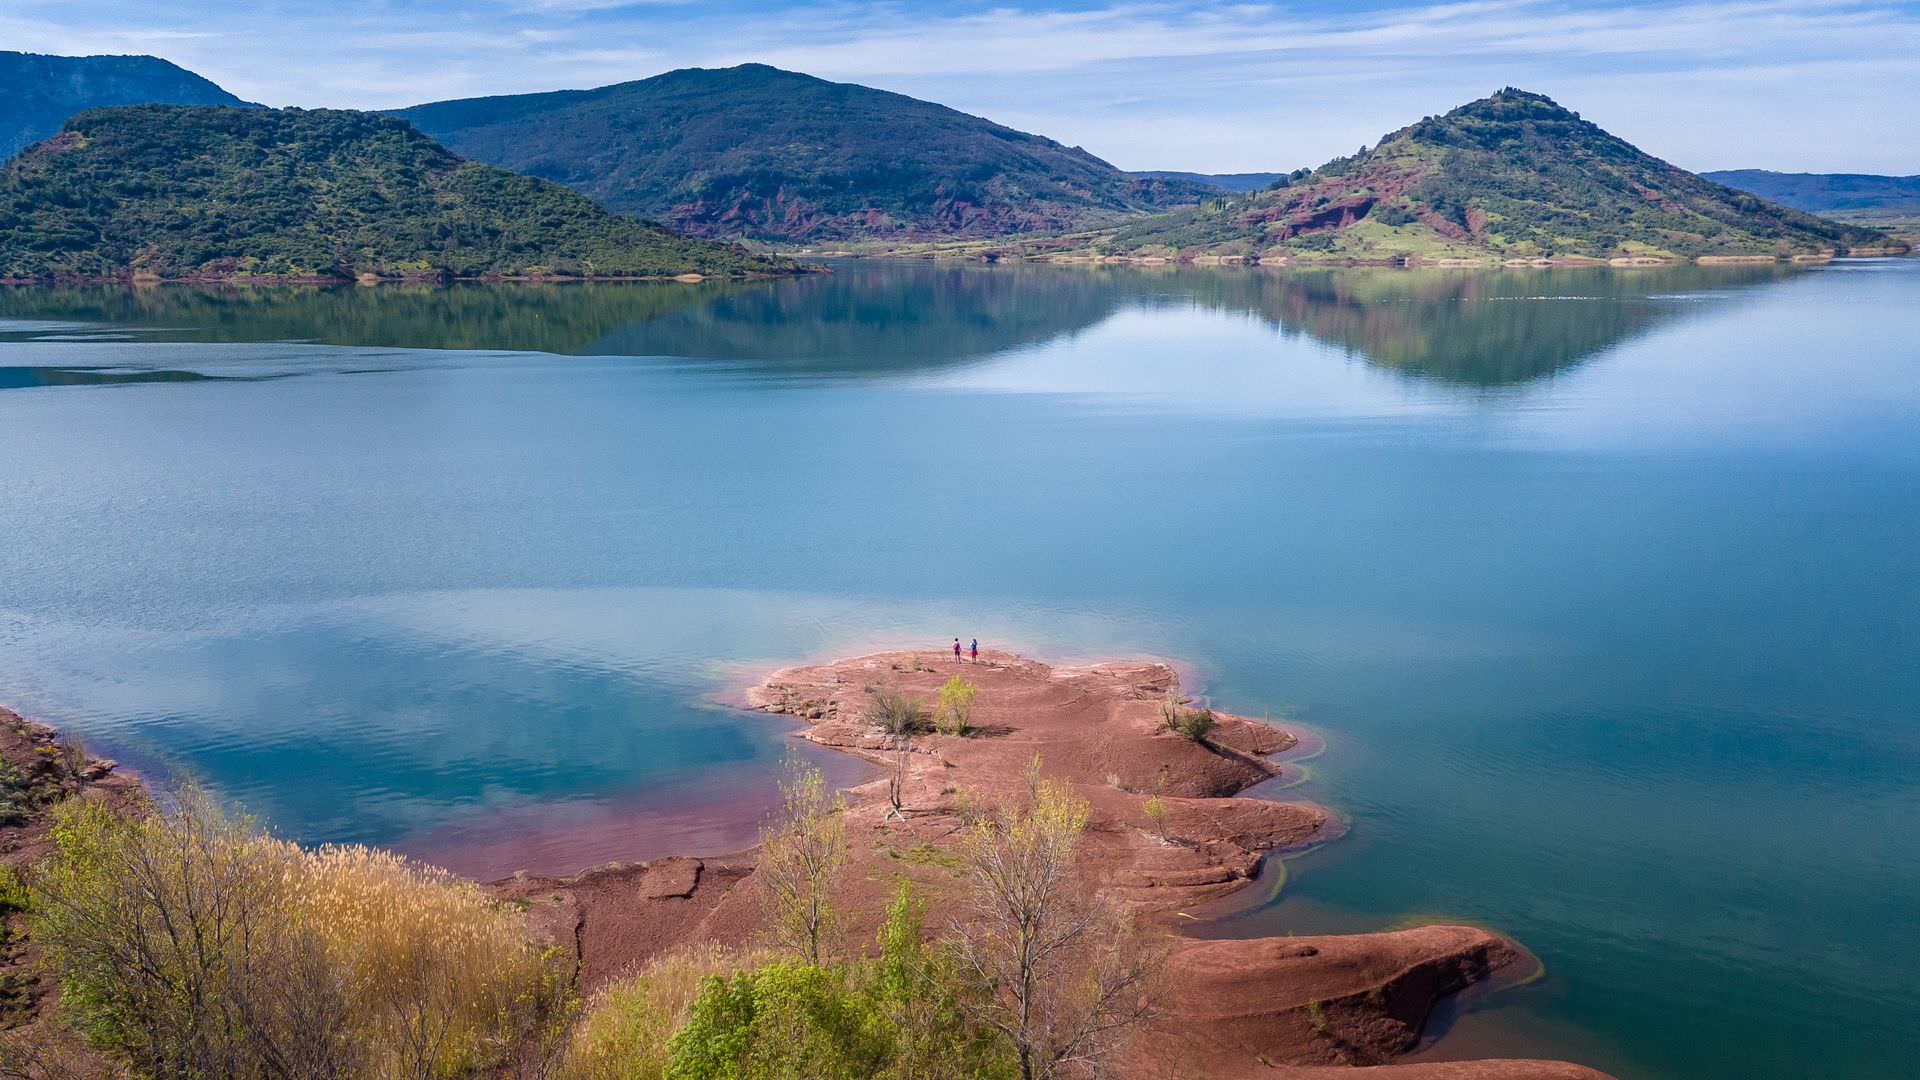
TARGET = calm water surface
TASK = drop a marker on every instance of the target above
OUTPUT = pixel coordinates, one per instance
(1603, 587)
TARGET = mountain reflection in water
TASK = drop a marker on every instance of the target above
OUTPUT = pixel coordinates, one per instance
(1483, 328)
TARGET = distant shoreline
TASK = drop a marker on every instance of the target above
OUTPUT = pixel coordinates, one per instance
(1490, 262)
(136, 279)
(916, 255)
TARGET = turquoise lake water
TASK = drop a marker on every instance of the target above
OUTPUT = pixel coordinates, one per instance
(1603, 587)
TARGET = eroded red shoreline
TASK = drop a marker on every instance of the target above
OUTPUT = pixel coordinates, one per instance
(1310, 1007)
(1295, 1006)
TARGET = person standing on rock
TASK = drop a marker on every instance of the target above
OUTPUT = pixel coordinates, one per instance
(956, 650)
(973, 651)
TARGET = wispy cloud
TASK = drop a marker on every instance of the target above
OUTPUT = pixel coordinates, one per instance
(1147, 83)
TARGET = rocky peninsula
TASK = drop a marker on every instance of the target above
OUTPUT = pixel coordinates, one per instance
(1283, 1007)
(1270, 1007)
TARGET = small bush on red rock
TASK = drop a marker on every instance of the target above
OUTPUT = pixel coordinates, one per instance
(1193, 724)
(898, 712)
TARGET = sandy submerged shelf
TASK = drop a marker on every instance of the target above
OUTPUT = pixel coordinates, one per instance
(1265, 1007)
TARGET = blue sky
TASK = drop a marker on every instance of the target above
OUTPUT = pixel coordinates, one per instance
(1813, 85)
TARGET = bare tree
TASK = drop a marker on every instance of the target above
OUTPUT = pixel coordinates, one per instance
(74, 759)
(537, 1017)
(295, 1005)
(151, 919)
(801, 859)
(897, 778)
(1068, 979)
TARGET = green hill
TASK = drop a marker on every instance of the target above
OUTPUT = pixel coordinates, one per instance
(43, 91)
(754, 151)
(211, 192)
(1511, 176)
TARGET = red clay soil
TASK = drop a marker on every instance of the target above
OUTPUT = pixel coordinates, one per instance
(1357, 999)
(1504, 1069)
(620, 915)
(1272, 1007)
(34, 753)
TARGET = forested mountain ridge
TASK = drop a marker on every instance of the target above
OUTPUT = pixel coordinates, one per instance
(41, 92)
(1249, 181)
(1512, 175)
(1824, 193)
(200, 192)
(755, 151)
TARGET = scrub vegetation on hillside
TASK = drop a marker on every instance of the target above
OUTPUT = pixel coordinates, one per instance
(220, 192)
(1512, 175)
(754, 151)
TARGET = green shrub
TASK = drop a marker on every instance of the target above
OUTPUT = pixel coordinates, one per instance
(953, 713)
(625, 1030)
(13, 891)
(897, 712)
(907, 1015)
(73, 757)
(780, 1020)
(16, 795)
(1156, 810)
(1193, 724)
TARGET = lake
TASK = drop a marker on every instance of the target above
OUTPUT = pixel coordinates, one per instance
(1602, 587)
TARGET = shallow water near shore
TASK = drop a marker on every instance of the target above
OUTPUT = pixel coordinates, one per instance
(1603, 587)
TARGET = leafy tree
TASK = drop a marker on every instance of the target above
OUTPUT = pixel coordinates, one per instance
(189, 944)
(1068, 980)
(782, 1020)
(930, 1003)
(801, 860)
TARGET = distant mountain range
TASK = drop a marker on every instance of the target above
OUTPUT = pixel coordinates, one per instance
(200, 192)
(1511, 176)
(1237, 181)
(1844, 195)
(757, 153)
(41, 92)
(754, 151)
